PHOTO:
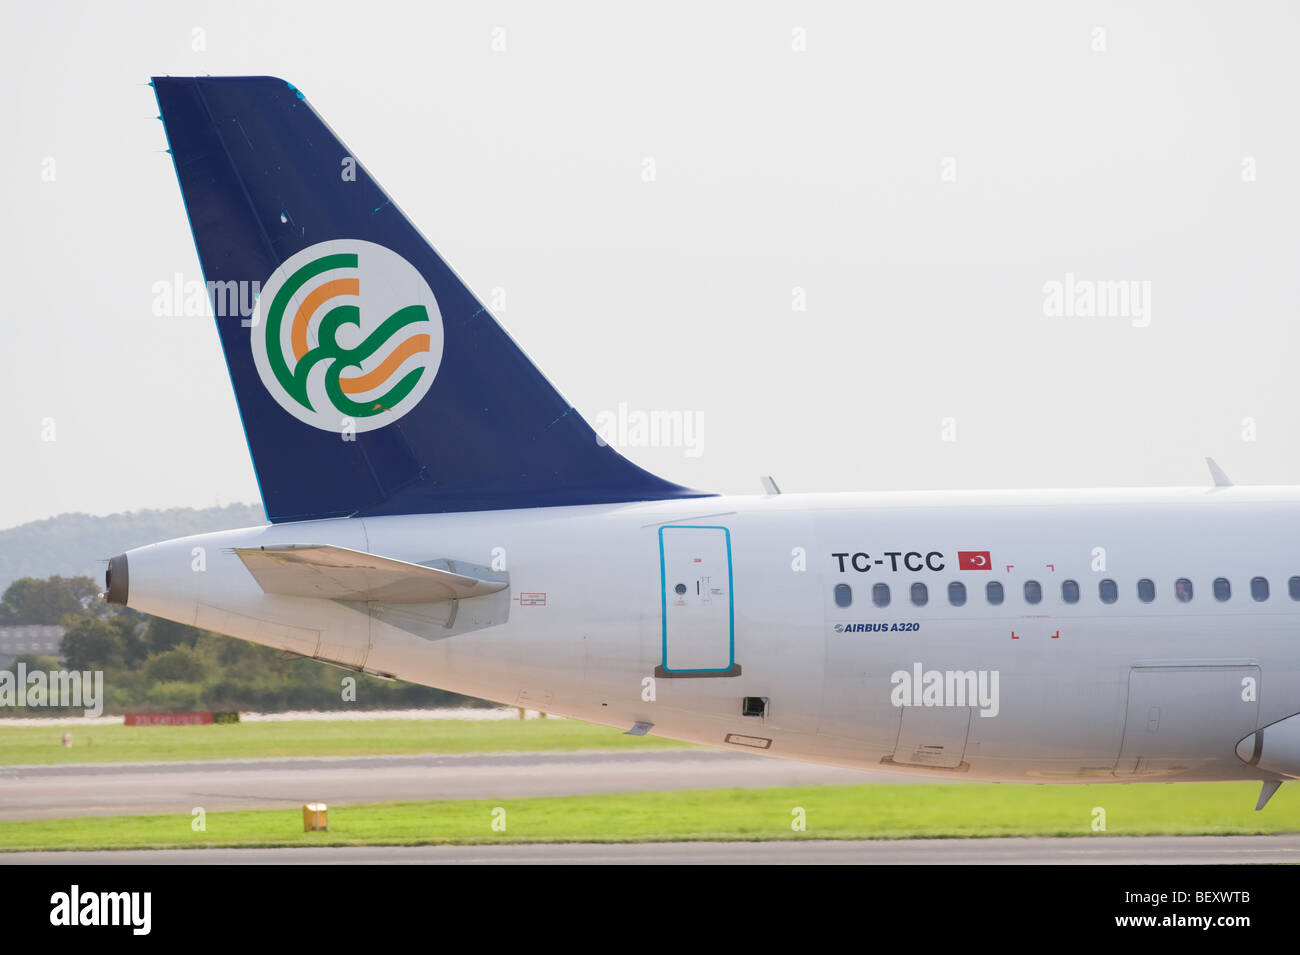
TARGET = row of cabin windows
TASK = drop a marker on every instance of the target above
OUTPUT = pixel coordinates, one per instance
(1107, 591)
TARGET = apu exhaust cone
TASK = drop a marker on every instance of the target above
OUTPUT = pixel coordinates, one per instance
(116, 580)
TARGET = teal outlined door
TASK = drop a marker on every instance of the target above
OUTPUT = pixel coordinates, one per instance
(698, 607)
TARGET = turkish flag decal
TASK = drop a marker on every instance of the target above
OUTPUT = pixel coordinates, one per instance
(974, 560)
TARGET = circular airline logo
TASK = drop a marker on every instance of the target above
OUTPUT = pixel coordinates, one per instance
(347, 335)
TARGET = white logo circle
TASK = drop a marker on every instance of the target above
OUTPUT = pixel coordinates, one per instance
(347, 336)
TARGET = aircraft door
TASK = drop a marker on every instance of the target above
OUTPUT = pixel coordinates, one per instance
(696, 599)
(1182, 717)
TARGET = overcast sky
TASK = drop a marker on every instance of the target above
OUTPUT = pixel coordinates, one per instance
(922, 172)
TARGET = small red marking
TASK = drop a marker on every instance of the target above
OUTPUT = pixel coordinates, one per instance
(1051, 567)
(698, 560)
(531, 599)
(1009, 566)
(1013, 635)
(1057, 635)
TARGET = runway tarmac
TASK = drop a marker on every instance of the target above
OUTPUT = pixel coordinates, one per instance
(1082, 850)
(91, 789)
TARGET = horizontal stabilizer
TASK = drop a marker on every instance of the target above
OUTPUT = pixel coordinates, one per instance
(338, 573)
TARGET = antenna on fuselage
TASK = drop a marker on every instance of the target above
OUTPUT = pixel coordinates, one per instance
(1266, 793)
(1216, 472)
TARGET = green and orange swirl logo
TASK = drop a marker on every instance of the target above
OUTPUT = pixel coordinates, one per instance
(351, 336)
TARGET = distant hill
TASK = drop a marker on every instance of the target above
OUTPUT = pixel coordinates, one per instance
(73, 544)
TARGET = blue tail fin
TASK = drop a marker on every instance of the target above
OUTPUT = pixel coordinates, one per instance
(370, 380)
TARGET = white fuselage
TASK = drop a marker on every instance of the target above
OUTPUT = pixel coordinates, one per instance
(593, 625)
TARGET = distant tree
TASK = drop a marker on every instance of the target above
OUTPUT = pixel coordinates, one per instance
(162, 635)
(34, 661)
(90, 644)
(101, 643)
(180, 664)
(151, 663)
(29, 600)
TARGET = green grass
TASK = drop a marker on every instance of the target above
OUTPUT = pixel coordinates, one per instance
(872, 811)
(39, 745)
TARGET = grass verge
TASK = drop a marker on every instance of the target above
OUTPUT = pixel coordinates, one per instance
(871, 811)
(40, 745)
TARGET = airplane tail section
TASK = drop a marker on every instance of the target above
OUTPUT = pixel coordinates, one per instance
(369, 378)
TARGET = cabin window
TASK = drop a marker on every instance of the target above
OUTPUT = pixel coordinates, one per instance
(957, 593)
(1183, 589)
(1108, 591)
(993, 591)
(880, 595)
(1222, 589)
(1070, 591)
(1146, 590)
(920, 594)
(1033, 591)
(843, 595)
(1293, 585)
(1259, 588)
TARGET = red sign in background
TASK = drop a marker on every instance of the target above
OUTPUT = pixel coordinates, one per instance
(168, 719)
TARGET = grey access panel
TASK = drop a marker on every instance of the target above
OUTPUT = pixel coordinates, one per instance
(932, 736)
(1183, 717)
